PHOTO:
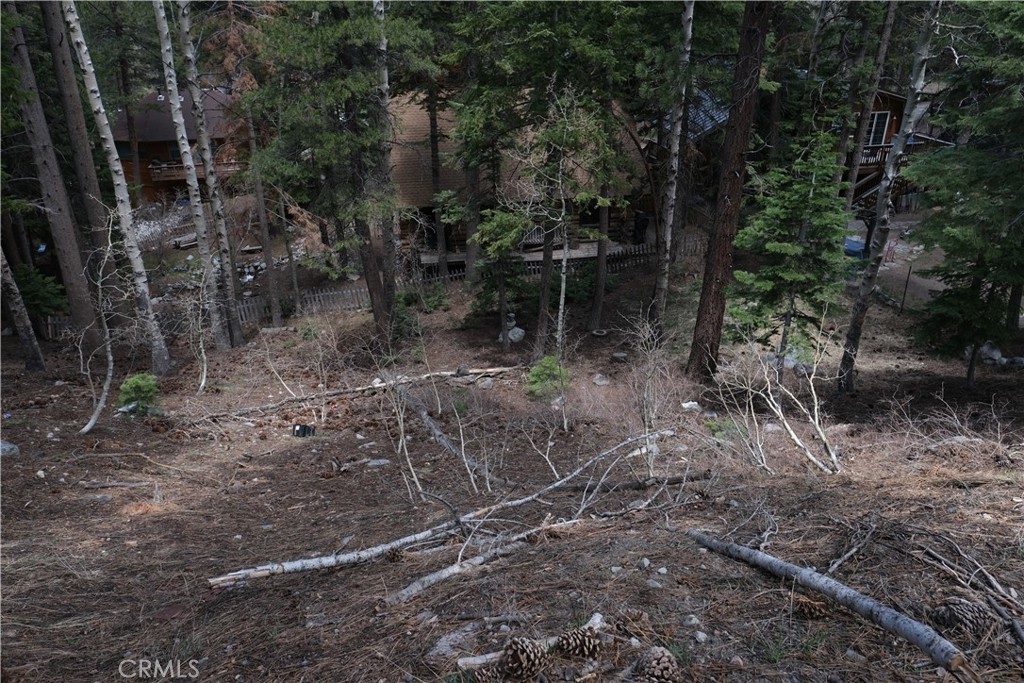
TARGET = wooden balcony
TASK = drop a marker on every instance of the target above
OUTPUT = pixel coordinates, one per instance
(170, 172)
(875, 156)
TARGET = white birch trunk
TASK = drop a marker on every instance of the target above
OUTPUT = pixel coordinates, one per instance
(677, 139)
(26, 335)
(160, 358)
(221, 336)
(229, 274)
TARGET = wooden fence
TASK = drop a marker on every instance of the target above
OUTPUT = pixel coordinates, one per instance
(350, 298)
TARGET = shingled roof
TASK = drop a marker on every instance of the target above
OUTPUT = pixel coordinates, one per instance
(153, 117)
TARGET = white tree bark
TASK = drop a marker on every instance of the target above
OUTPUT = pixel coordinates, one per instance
(922, 53)
(221, 336)
(677, 139)
(229, 274)
(160, 358)
(942, 652)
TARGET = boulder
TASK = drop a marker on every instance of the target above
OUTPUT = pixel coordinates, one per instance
(8, 448)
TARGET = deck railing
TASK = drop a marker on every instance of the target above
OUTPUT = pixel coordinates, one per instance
(161, 172)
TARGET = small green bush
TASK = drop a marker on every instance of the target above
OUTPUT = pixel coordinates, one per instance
(139, 389)
(546, 378)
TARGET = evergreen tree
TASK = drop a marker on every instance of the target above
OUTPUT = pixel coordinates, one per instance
(797, 238)
(974, 189)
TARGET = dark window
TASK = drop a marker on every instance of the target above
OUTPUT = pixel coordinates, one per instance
(877, 128)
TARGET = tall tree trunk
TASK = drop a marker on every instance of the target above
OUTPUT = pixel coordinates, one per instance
(540, 342)
(707, 334)
(159, 357)
(229, 272)
(435, 183)
(472, 220)
(381, 193)
(1013, 309)
(22, 240)
(54, 195)
(124, 91)
(880, 239)
(601, 267)
(677, 144)
(74, 115)
(856, 93)
(221, 333)
(867, 104)
(26, 335)
(261, 216)
(10, 243)
(370, 259)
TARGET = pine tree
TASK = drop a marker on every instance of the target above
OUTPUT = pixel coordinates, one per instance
(797, 238)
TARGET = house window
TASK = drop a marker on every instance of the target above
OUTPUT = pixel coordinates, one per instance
(877, 128)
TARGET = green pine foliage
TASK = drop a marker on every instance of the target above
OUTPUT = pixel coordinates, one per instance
(139, 389)
(42, 294)
(796, 237)
(973, 190)
(547, 378)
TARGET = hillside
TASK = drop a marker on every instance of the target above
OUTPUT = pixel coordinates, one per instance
(109, 539)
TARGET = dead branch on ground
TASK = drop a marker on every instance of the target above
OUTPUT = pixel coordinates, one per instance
(596, 624)
(375, 386)
(511, 545)
(941, 652)
(242, 576)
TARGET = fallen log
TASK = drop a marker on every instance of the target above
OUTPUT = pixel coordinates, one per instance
(242, 576)
(375, 386)
(941, 652)
(511, 545)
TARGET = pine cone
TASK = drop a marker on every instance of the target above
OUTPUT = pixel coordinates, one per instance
(488, 674)
(395, 555)
(657, 665)
(958, 613)
(579, 642)
(523, 658)
(809, 608)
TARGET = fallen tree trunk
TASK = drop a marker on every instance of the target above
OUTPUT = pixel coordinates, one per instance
(942, 652)
(512, 544)
(242, 576)
(376, 386)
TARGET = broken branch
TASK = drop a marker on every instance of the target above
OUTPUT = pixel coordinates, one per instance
(942, 652)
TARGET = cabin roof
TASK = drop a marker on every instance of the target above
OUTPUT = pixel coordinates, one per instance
(153, 121)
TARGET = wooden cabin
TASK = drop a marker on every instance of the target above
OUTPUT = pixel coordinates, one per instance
(162, 173)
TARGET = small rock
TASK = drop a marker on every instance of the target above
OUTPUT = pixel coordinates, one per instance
(616, 570)
(855, 656)
(360, 437)
(645, 563)
(600, 380)
(651, 583)
(41, 474)
(634, 641)
(504, 628)
(691, 405)
(237, 537)
(663, 570)
(772, 427)
(620, 357)
(737, 661)
(691, 620)
(100, 498)
(486, 383)
(8, 448)
(834, 678)
(379, 462)
(700, 637)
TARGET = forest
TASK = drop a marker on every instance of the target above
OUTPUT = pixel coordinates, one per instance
(523, 341)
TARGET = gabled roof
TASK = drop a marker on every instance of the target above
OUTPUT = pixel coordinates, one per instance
(153, 121)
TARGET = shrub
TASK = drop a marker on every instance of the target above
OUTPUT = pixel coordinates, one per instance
(546, 378)
(139, 389)
(42, 294)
